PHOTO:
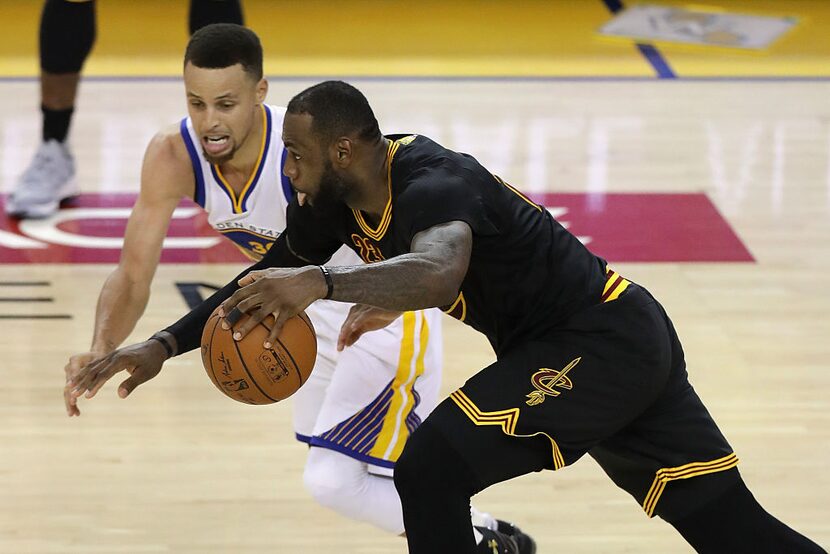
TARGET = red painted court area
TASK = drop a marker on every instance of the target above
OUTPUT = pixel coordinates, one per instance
(621, 227)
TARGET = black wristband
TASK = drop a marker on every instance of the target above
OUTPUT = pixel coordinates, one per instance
(164, 343)
(329, 283)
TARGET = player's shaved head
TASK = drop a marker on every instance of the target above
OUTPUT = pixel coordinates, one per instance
(223, 45)
(337, 109)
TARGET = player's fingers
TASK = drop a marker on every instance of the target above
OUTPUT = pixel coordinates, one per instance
(70, 402)
(80, 381)
(76, 363)
(353, 336)
(279, 322)
(99, 382)
(236, 313)
(349, 334)
(95, 374)
(254, 318)
(128, 385)
(252, 277)
(69, 371)
(230, 303)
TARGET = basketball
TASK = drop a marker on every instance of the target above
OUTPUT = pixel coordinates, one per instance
(247, 372)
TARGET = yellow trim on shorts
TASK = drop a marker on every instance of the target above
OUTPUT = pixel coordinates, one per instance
(506, 419)
(687, 471)
(394, 432)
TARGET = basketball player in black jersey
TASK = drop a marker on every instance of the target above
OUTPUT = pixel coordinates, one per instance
(588, 362)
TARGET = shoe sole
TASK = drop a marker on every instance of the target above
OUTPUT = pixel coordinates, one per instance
(526, 544)
(68, 191)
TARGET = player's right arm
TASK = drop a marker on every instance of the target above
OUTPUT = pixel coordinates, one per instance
(144, 360)
(166, 176)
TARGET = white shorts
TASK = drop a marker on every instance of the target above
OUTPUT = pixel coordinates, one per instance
(365, 401)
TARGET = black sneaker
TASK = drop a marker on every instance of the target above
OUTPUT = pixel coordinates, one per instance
(524, 542)
(496, 542)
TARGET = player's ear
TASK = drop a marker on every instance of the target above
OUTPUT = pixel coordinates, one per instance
(261, 90)
(343, 151)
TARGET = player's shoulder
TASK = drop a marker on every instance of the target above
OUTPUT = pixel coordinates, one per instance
(421, 165)
(167, 167)
(168, 146)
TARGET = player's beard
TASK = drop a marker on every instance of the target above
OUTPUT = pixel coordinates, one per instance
(331, 193)
(221, 159)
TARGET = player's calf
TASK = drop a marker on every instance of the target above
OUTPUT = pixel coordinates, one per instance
(734, 522)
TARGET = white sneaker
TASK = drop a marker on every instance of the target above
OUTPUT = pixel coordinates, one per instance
(49, 180)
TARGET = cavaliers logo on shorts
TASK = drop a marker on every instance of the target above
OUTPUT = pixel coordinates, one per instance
(547, 380)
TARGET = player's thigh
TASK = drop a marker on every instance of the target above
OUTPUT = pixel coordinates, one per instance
(557, 399)
(403, 362)
(491, 455)
(309, 399)
(673, 458)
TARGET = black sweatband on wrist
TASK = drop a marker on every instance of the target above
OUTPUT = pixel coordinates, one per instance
(329, 282)
(164, 343)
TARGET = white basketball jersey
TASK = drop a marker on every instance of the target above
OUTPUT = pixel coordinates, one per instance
(255, 218)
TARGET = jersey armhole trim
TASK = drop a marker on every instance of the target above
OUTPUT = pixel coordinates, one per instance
(199, 193)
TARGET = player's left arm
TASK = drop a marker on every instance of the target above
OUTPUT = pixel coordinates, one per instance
(429, 275)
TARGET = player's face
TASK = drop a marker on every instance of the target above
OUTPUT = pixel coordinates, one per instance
(223, 105)
(309, 168)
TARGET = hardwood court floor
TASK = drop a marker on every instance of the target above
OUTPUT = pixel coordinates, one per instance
(178, 468)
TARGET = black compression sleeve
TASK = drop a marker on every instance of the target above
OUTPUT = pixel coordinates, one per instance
(188, 330)
(205, 12)
(67, 33)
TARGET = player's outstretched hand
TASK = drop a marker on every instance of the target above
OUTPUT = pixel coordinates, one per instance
(362, 319)
(72, 368)
(142, 361)
(280, 292)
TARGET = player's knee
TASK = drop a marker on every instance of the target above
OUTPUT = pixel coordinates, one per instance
(428, 465)
(330, 483)
(323, 487)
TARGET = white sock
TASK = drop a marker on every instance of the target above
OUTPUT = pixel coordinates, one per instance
(482, 519)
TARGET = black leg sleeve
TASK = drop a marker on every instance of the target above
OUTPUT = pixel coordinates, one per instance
(435, 486)
(735, 523)
(67, 33)
(205, 12)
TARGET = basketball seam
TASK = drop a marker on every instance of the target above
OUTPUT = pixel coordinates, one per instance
(307, 320)
(293, 361)
(245, 367)
(216, 380)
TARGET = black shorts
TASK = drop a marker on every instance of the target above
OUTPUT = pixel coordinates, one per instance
(612, 383)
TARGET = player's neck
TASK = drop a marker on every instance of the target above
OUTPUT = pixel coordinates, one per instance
(373, 192)
(238, 169)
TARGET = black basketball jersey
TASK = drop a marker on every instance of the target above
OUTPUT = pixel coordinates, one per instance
(527, 273)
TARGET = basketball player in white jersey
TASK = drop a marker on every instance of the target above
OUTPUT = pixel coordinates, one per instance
(360, 404)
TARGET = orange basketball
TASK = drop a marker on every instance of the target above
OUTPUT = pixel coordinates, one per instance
(246, 371)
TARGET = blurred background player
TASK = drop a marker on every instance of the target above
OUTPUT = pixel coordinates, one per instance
(359, 406)
(67, 34)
